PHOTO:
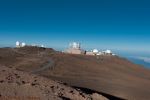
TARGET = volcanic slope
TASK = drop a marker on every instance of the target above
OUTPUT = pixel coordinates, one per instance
(111, 75)
(17, 85)
(107, 74)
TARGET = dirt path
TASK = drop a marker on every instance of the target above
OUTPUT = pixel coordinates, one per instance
(49, 65)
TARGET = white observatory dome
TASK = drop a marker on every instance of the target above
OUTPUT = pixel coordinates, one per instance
(108, 51)
(17, 43)
(23, 44)
(42, 46)
(95, 51)
(75, 45)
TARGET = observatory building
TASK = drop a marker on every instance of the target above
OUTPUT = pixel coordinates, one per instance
(98, 53)
(92, 52)
(107, 52)
(74, 48)
(18, 44)
(23, 44)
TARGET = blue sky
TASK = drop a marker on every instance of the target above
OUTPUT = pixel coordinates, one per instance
(115, 24)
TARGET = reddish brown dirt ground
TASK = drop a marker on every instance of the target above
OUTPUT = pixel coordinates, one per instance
(108, 74)
(17, 85)
(112, 75)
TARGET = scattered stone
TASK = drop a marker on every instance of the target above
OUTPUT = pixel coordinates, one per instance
(1, 81)
(23, 82)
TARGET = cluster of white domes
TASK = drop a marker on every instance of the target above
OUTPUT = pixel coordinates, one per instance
(108, 51)
(75, 48)
(23, 44)
(97, 52)
(20, 44)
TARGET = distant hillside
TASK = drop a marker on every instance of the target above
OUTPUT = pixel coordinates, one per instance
(107, 74)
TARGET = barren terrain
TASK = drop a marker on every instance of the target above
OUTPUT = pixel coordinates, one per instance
(111, 76)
